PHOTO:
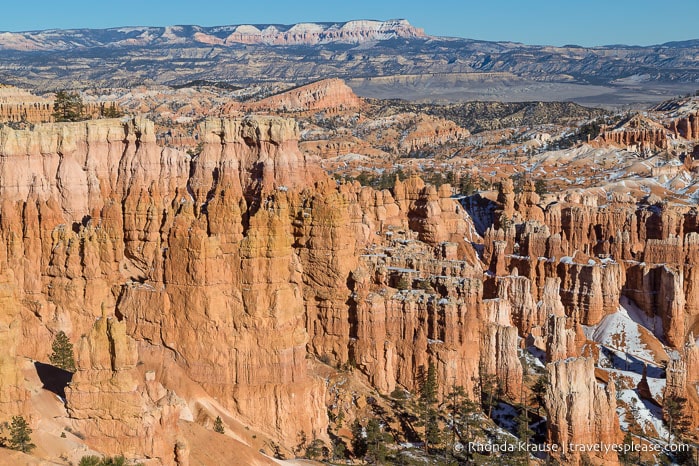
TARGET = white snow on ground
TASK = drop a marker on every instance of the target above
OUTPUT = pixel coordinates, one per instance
(644, 412)
(620, 332)
(653, 324)
(657, 387)
(505, 416)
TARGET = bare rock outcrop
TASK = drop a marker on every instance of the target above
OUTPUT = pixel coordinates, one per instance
(310, 33)
(686, 126)
(20, 105)
(431, 131)
(683, 379)
(590, 291)
(580, 411)
(117, 409)
(14, 396)
(637, 134)
(499, 358)
(326, 94)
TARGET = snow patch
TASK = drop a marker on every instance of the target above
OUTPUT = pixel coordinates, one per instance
(644, 413)
(620, 332)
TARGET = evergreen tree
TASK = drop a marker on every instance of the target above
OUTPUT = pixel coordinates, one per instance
(62, 355)
(68, 106)
(540, 187)
(624, 455)
(463, 414)
(676, 416)
(376, 440)
(359, 443)
(110, 111)
(463, 421)
(316, 450)
(490, 391)
(539, 392)
(218, 425)
(20, 435)
(467, 185)
(90, 460)
(428, 407)
(339, 449)
(93, 460)
(524, 432)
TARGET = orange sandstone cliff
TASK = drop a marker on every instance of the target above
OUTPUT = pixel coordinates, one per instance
(203, 285)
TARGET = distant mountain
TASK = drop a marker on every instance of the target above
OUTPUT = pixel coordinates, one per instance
(306, 52)
(351, 32)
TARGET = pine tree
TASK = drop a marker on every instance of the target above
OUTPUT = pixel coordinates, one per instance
(539, 391)
(376, 440)
(218, 425)
(462, 411)
(111, 111)
(68, 106)
(625, 454)
(428, 403)
(62, 355)
(676, 416)
(490, 391)
(524, 432)
(359, 443)
(20, 435)
(316, 450)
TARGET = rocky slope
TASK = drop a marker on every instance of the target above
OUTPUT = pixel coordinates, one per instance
(323, 95)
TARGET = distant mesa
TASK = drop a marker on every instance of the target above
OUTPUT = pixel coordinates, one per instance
(351, 32)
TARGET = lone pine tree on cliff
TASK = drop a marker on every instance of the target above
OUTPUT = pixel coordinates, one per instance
(62, 355)
(19, 435)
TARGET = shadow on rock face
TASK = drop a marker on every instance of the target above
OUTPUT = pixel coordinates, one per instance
(54, 379)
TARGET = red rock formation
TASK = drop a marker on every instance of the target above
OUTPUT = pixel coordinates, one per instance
(686, 126)
(326, 94)
(113, 406)
(246, 261)
(525, 314)
(14, 396)
(431, 131)
(238, 261)
(683, 379)
(637, 134)
(499, 358)
(580, 411)
(20, 105)
(589, 292)
(559, 340)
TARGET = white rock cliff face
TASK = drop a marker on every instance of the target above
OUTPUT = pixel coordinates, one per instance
(351, 32)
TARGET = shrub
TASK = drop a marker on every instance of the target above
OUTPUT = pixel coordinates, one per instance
(218, 425)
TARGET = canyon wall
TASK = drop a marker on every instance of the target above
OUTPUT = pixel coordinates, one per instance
(246, 265)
